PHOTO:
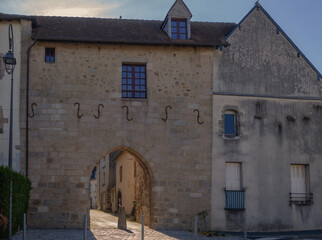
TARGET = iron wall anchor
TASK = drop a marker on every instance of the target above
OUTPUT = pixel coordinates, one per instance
(166, 113)
(78, 115)
(127, 113)
(99, 111)
(198, 117)
(32, 110)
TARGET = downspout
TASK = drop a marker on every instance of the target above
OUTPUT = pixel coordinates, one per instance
(27, 107)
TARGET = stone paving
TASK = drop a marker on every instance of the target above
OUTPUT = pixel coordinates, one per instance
(104, 227)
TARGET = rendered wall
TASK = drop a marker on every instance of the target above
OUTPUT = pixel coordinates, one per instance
(260, 62)
(5, 85)
(127, 185)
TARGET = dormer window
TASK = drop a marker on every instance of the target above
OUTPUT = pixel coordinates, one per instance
(178, 28)
(177, 22)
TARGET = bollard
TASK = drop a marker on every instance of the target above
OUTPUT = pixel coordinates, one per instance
(85, 227)
(196, 227)
(10, 209)
(121, 222)
(245, 226)
(142, 230)
(24, 227)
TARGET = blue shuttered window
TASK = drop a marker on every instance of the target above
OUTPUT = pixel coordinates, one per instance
(230, 128)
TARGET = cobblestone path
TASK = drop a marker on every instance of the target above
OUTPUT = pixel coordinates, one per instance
(103, 226)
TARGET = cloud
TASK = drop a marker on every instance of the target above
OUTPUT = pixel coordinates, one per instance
(76, 8)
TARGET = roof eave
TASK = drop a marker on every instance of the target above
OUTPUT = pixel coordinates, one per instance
(155, 43)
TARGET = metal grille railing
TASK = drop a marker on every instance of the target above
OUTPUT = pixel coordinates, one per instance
(235, 200)
(301, 198)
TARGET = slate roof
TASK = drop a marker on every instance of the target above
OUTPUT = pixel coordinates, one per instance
(103, 30)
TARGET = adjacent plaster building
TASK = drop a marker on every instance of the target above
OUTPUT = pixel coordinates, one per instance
(220, 117)
(266, 131)
(5, 82)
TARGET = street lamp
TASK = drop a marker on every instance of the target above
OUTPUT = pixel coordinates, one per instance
(10, 63)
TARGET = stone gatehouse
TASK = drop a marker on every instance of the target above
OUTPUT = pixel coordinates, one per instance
(200, 106)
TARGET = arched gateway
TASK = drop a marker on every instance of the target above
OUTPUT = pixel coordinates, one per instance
(123, 178)
(68, 134)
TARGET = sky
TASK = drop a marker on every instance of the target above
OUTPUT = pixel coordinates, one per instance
(301, 20)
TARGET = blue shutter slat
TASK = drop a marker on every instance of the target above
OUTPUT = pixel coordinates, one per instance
(229, 124)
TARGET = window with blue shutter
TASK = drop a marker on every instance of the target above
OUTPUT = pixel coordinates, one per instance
(50, 55)
(230, 128)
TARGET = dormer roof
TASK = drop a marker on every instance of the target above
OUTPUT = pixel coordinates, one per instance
(179, 10)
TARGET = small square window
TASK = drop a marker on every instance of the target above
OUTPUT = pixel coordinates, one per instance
(50, 55)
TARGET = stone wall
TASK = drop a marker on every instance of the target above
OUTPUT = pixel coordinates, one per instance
(142, 195)
(64, 148)
(260, 61)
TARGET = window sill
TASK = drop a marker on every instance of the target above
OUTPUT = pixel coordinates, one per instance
(301, 202)
(232, 138)
(134, 99)
(235, 209)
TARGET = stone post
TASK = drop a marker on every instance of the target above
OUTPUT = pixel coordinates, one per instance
(121, 224)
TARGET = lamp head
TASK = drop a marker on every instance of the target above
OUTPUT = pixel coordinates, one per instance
(9, 61)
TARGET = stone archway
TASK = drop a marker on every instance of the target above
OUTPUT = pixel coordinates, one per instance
(127, 183)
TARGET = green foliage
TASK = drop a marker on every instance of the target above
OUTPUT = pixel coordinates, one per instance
(21, 187)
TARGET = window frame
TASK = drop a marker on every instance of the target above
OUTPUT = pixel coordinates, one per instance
(130, 81)
(178, 28)
(227, 133)
(50, 55)
(239, 164)
(305, 198)
(235, 196)
(121, 173)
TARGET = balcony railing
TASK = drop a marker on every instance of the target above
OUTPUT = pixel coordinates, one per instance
(235, 200)
(301, 198)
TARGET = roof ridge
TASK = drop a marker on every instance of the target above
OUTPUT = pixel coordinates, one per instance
(212, 22)
(99, 18)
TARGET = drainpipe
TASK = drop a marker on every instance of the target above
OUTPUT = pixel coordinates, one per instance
(27, 107)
